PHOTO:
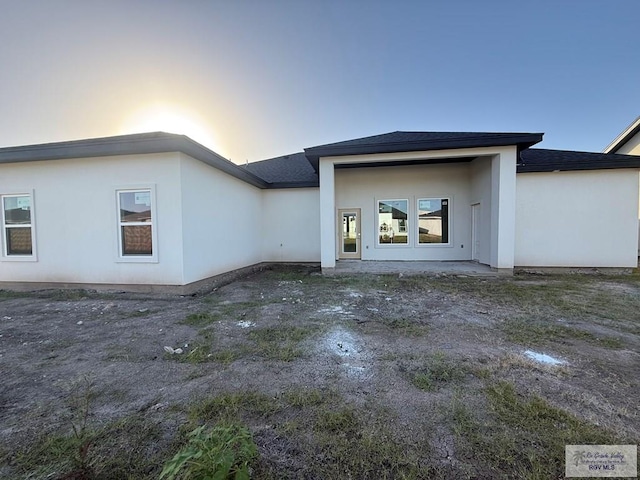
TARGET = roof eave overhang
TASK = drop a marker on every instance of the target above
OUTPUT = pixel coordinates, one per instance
(523, 141)
(141, 144)
(573, 168)
(624, 137)
(276, 185)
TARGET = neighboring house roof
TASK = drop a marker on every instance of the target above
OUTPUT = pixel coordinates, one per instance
(287, 171)
(542, 160)
(624, 137)
(419, 141)
(136, 144)
(435, 213)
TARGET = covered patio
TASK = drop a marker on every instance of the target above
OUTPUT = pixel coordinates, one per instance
(432, 198)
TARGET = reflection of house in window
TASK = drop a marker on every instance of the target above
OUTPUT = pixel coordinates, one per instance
(349, 233)
(17, 227)
(392, 221)
(433, 220)
(135, 223)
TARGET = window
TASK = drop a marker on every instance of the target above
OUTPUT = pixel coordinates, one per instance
(393, 222)
(17, 225)
(433, 221)
(135, 221)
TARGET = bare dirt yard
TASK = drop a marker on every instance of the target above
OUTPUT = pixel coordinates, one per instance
(293, 374)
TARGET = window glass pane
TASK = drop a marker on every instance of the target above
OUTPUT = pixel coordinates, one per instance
(17, 210)
(349, 233)
(136, 240)
(135, 206)
(433, 220)
(392, 221)
(19, 241)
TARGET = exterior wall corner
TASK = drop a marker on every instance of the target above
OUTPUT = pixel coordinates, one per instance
(327, 214)
(503, 208)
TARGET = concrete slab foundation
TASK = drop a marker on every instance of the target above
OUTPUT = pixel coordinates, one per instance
(352, 267)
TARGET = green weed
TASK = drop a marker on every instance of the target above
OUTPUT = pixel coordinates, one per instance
(225, 451)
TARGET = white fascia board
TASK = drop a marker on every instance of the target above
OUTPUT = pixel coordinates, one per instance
(419, 155)
(621, 139)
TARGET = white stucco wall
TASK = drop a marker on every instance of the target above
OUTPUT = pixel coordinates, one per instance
(363, 187)
(577, 219)
(632, 147)
(222, 221)
(503, 209)
(208, 222)
(290, 225)
(328, 249)
(76, 219)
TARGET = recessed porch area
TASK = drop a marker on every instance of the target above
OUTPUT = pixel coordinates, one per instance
(452, 206)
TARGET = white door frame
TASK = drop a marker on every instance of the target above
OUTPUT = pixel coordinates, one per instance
(342, 254)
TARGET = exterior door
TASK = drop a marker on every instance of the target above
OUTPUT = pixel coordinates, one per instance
(349, 244)
(475, 232)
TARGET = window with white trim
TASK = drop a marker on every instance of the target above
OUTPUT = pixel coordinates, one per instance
(433, 221)
(17, 225)
(393, 222)
(135, 223)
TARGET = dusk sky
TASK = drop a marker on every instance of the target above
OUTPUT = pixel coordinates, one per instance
(257, 79)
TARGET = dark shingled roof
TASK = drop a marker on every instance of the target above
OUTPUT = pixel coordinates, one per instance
(287, 171)
(400, 137)
(542, 160)
(417, 141)
(134, 144)
(300, 169)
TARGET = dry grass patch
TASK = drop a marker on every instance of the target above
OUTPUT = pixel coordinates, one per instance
(433, 372)
(539, 332)
(281, 342)
(522, 437)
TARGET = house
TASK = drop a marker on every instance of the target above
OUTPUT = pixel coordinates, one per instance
(159, 211)
(628, 142)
